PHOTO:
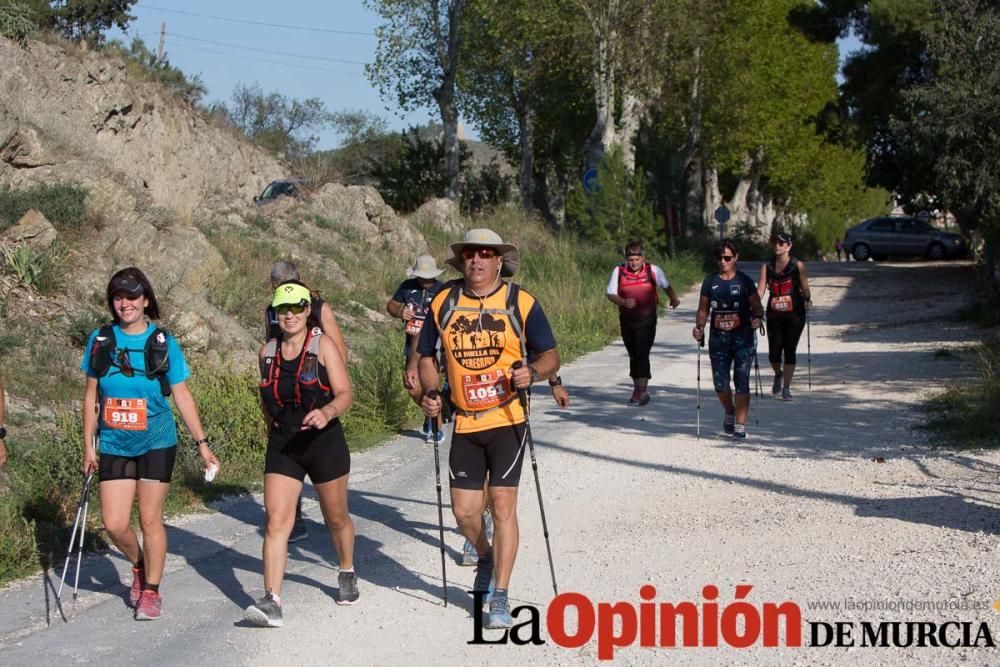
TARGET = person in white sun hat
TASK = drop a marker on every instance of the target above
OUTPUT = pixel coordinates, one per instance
(409, 303)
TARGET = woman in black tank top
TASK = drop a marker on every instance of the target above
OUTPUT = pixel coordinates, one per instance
(304, 390)
(787, 283)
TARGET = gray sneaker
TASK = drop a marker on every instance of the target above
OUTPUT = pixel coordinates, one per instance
(265, 612)
(299, 531)
(348, 582)
(776, 385)
(786, 394)
(499, 616)
(488, 520)
(469, 555)
(728, 424)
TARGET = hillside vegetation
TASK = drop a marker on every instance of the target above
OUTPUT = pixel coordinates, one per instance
(129, 174)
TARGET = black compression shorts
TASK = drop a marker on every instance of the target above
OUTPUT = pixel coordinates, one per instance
(323, 455)
(156, 465)
(499, 451)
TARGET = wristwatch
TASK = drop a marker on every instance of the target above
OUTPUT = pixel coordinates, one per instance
(3, 432)
(557, 382)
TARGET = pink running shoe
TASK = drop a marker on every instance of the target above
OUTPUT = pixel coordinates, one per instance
(138, 579)
(148, 608)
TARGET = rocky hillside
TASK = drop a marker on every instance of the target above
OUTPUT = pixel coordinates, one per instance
(171, 192)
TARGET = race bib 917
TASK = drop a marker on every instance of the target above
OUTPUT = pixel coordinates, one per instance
(726, 321)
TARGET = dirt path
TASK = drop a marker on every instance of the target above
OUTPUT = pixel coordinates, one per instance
(800, 511)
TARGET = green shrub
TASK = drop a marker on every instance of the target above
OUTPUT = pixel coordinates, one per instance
(966, 414)
(618, 210)
(18, 552)
(63, 205)
(485, 189)
(381, 404)
(39, 270)
(230, 413)
(17, 22)
(45, 485)
(79, 328)
(190, 89)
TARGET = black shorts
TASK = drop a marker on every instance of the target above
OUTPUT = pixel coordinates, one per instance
(323, 455)
(156, 465)
(499, 451)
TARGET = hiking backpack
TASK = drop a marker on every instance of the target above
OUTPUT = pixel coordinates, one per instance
(154, 352)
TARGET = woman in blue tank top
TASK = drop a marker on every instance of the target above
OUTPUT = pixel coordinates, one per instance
(132, 367)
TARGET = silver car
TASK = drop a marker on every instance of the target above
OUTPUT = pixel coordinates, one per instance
(878, 238)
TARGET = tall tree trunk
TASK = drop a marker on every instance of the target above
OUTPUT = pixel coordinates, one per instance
(694, 195)
(602, 136)
(738, 205)
(713, 198)
(449, 119)
(526, 140)
(447, 54)
(553, 188)
(634, 110)
(694, 185)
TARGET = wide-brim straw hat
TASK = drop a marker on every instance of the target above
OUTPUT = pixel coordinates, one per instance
(425, 267)
(485, 238)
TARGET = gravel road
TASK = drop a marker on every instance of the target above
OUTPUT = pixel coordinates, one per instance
(835, 498)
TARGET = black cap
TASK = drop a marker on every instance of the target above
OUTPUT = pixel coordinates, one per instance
(128, 285)
(783, 238)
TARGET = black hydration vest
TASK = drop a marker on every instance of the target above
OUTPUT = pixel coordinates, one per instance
(785, 287)
(309, 390)
(154, 354)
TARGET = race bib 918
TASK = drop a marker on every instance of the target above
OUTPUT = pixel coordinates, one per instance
(127, 414)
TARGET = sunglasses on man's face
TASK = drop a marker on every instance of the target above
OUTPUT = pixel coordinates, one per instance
(725, 258)
(293, 308)
(481, 253)
(124, 364)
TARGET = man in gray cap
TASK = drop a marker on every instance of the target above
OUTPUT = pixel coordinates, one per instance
(409, 303)
(485, 325)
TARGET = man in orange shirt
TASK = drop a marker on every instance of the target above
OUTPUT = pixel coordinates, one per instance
(485, 325)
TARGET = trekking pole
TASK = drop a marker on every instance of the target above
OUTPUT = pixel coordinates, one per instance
(701, 344)
(756, 367)
(522, 396)
(437, 478)
(81, 523)
(809, 353)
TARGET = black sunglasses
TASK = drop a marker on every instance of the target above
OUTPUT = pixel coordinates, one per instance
(124, 363)
(482, 253)
(293, 308)
(725, 258)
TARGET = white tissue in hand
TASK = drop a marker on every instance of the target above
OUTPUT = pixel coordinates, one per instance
(211, 472)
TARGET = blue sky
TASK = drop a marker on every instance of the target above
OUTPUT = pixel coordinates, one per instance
(294, 62)
(321, 55)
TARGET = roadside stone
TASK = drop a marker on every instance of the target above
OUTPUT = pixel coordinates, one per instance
(34, 229)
